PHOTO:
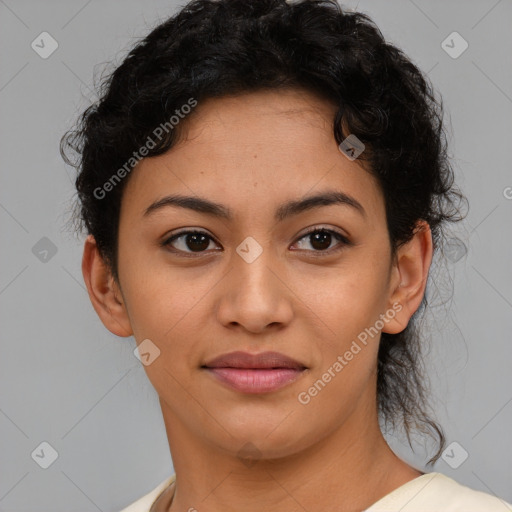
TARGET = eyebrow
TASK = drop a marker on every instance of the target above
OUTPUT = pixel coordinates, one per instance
(286, 210)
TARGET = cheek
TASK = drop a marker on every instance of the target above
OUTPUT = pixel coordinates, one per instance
(345, 299)
(346, 340)
(170, 309)
(157, 295)
(346, 302)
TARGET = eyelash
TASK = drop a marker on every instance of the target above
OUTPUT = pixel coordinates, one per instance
(319, 253)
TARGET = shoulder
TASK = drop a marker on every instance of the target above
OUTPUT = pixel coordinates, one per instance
(435, 492)
(144, 503)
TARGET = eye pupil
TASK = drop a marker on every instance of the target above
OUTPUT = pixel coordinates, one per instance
(319, 239)
(197, 242)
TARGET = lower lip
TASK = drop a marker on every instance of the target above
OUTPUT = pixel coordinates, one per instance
(256, 380)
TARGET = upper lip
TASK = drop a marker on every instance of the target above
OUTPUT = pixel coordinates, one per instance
(241, 359)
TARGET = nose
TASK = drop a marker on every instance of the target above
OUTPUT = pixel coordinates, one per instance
(255, 294)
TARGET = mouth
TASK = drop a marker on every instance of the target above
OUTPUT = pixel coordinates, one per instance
(258, 373)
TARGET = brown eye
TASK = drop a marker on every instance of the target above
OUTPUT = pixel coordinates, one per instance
(321, 239)
(189, 241)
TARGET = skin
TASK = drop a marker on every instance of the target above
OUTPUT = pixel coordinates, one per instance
(251, 153)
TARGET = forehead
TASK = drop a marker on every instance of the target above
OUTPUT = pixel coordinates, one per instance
(263, 119)
(253, 151)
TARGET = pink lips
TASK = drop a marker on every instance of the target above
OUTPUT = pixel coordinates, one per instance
(259, 373)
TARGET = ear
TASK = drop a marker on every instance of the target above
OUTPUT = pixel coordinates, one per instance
(409, 277)
(105, 294)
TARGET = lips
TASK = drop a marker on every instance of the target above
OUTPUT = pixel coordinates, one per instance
(254, 361)
(255, 373)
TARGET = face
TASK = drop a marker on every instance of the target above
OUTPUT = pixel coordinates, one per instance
(305, 281)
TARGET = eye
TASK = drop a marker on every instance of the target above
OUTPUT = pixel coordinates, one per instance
(189, 241)
(196, 241)
(321, 238)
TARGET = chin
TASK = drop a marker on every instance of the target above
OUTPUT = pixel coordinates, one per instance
(262, 441)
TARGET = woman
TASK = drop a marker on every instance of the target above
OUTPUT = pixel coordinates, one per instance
(264, 185)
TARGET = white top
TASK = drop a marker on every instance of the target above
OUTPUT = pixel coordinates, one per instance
(431, 492)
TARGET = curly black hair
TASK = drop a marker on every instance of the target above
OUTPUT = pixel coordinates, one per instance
(214, 48)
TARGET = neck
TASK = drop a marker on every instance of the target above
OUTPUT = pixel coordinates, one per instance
(348, 470)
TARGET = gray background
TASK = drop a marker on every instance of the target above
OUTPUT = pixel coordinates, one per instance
(66, 380)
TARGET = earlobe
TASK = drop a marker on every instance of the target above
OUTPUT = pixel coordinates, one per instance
(104, 292)
(409, 277)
